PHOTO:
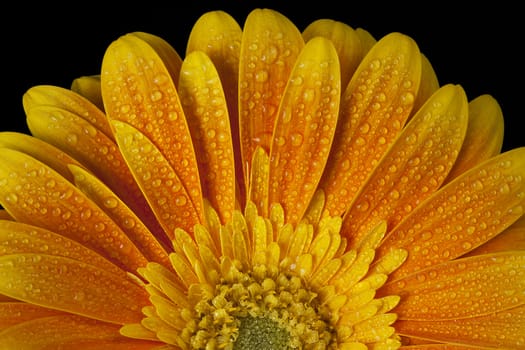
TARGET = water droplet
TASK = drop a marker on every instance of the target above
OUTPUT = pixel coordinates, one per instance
(364, 128)
(296, 139)
(407, 98)
(297, 80)
(180, 201)
(110, 202)
(261, 76)
(156, 95)
(72, 138)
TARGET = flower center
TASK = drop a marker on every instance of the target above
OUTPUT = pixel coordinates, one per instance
(261, 333)
(260, 283)
(262, 310)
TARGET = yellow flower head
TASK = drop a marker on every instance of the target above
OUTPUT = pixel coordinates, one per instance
(273, 189)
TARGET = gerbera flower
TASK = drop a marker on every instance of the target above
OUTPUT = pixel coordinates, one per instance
(274, 189)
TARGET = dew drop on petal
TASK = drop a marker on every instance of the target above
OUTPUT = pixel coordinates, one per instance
(110, 202)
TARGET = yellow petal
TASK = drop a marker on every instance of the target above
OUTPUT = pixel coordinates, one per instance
(429, 83)
(269, 48)
(259, 181)
(159, 182)
(35, 194)
(414, 167)
(346, 42)
(205, 108)
(19, 238)
(463, 288)
(89, 87)
(63, 99)
(218, 35)
(12, 313)
(93, 149)
(150, 245)
(464, 214)
(69, 331)
(167, 54)
(69, 285)
(304, 128)
(40, 150)
(502, 330)
(374, 108)
(513, 238)
(484, 137)
(148, 102)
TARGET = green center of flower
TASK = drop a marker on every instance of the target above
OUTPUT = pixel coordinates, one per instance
(261, 309)
(261, 333)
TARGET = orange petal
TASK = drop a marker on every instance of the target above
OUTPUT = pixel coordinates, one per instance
(167, 54)
(205, 107)
(138, 89)
(269, 48)
(484, 137)
(12, 313)
(70, 285)
(159, 182)
(513, 238)
(464, 288)
(89, 87)
(428, 84)
(19, 238)
(69, 332)
(218, 35)
(502, 330)
(304, 128)
(260, 174)
(63, 99)
(33, 193)
(374, 108)
(464, 214)
(150, 245)
(40, 150)
(4, 215)
(93, 149)
(414, 167)
(346, 42)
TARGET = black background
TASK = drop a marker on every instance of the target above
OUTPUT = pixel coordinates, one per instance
(479, 47)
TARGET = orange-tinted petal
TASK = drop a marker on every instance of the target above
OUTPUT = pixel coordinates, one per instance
(89, 87)
(138, 89)
(70, 285)
(19, 238)
(205, 108)
(374, 108)
(63, 99)
(259, 181)
(269, 48)
(12, 313)
(163, 189)
(304, 128)
(93, 149)
(463, 288)
(513, 238)
(218, 35)
(502, 330)
(429, 83)
(484, 137)
(69, 332)
(167, 54)
(346, 42)
(122, 215)
(414, 167)
(40, 150)
(464, 214)
(33, 193)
